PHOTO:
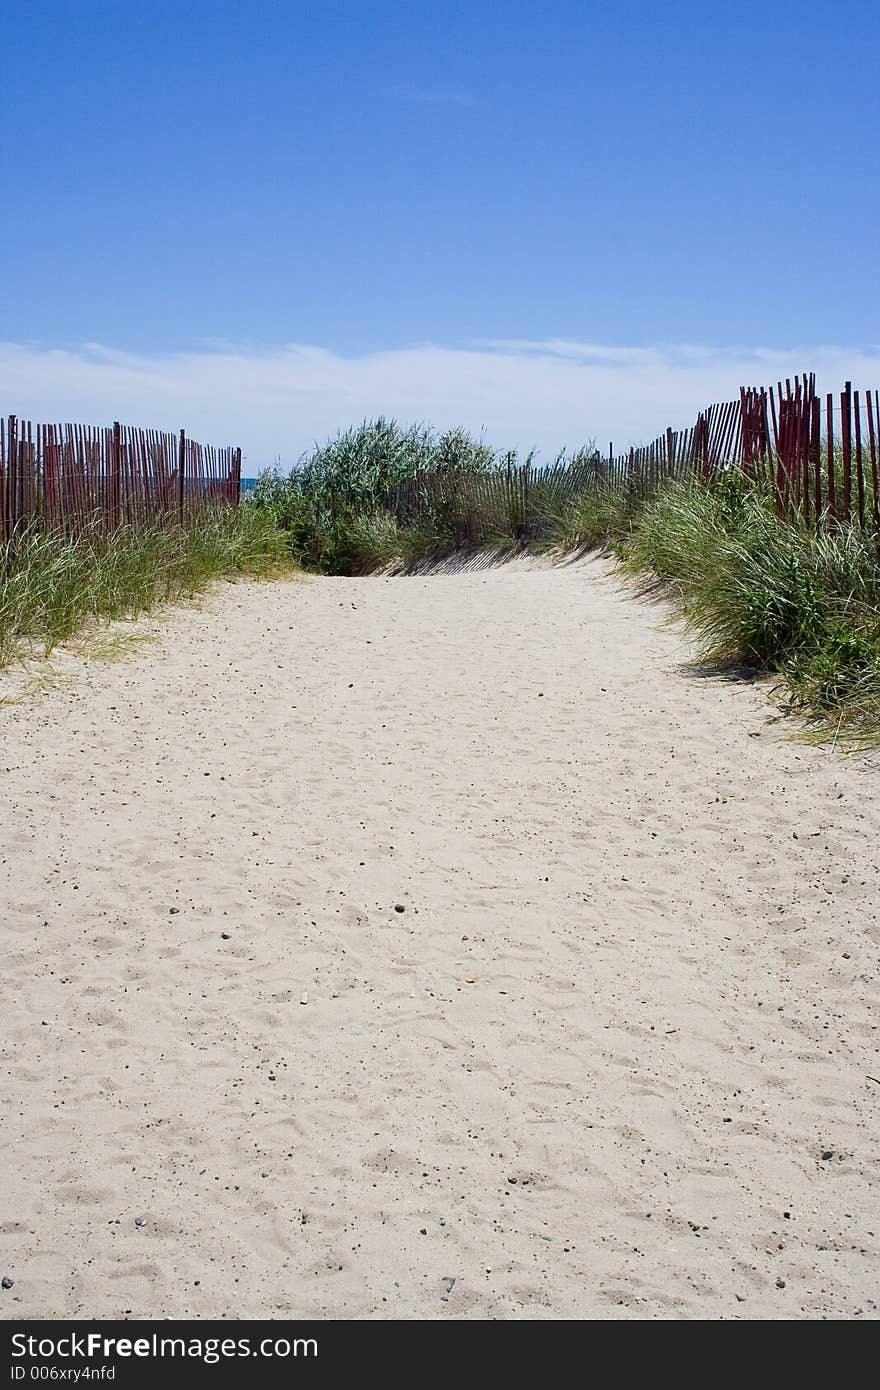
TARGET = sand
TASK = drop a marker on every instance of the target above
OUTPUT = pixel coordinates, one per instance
(619, 1056)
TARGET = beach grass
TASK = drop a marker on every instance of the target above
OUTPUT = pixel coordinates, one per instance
(52, 585)
(771, 593)
(757, 589)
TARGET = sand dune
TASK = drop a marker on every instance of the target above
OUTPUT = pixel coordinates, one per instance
(618, 1057)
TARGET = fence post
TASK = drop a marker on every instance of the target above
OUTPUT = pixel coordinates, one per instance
(116, 475)
(829, 434)
(237, 476)
(11, 475)
(181, 471)
(846, 445)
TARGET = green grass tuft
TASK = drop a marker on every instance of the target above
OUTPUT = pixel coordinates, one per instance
(769, 592)
(52, 585)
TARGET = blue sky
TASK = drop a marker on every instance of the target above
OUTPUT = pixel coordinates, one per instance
(378, 182)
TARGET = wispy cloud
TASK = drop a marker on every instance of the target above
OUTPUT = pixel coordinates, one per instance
(430, 96)
(278, 401)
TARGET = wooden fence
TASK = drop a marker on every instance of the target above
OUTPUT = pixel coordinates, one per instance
(818, 456)
(74, 477)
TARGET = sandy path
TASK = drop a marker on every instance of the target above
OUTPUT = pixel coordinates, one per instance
(590, 1071)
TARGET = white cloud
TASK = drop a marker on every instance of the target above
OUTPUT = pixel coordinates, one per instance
(278, 401)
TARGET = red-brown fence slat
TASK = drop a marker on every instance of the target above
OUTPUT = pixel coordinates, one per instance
(860, 475)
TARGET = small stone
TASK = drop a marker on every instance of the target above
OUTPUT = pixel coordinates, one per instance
(174, 911)
(224, 936)
(826, 1154)
(6, 1282)
(780, 1283)
(423, 1231)
(399, 907)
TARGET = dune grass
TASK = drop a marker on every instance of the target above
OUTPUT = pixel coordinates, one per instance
(772, 593)
(386, 494)
(756, 589)
(52, 585)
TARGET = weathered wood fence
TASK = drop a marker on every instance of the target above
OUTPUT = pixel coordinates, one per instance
(818, 456)
(73, 477)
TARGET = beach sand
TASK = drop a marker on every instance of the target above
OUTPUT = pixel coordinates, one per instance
(618, 1057)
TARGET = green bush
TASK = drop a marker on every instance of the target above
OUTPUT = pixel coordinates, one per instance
(843, 668)
(361, 466)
